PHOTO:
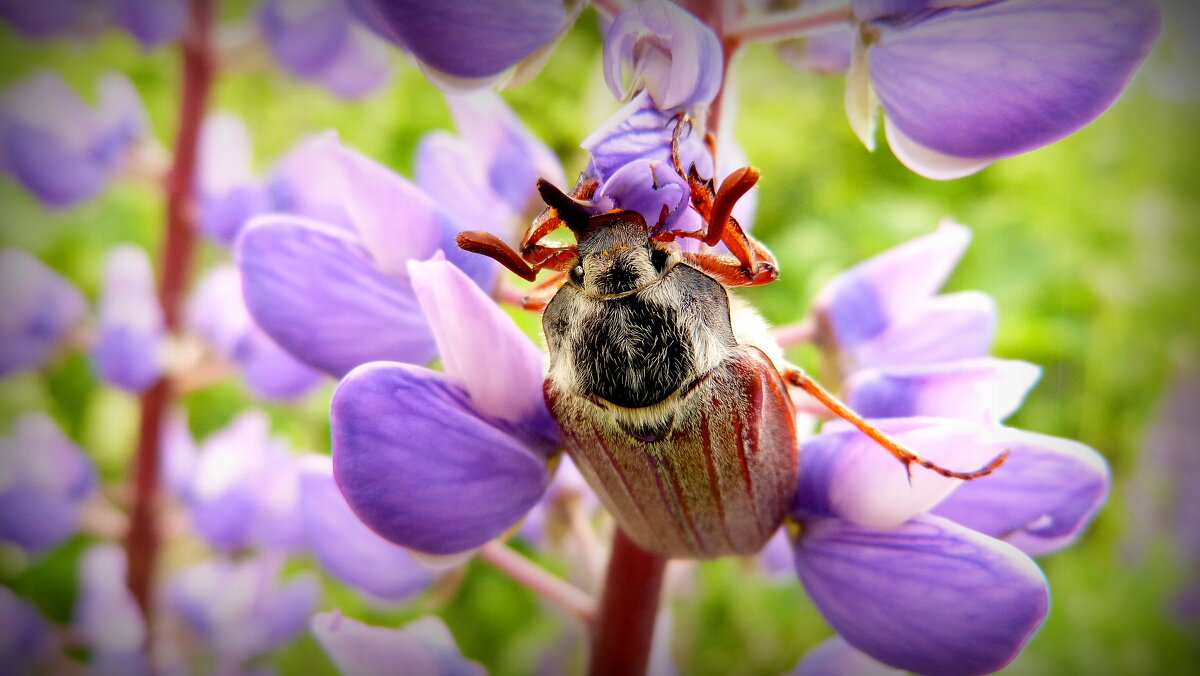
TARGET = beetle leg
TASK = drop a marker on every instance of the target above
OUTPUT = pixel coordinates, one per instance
(538, 296)
(559, 257)
(551, 218)
(730, 271)
(799, 378)
(482, 242)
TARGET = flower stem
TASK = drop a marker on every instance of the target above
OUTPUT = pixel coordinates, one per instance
(533, 576)
(142, 539)
(784, 25)
(624, 626)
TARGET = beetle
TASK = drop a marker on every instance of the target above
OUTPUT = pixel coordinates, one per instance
(669, 393)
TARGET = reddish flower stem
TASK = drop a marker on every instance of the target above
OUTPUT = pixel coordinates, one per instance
(142, 539)
(624, 626)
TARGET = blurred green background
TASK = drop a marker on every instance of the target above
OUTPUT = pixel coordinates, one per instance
(1089, 247)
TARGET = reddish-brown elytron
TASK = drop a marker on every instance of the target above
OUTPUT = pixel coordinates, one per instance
(661, 383)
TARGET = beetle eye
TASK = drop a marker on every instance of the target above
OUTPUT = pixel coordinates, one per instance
(658, 258)
(577, 275)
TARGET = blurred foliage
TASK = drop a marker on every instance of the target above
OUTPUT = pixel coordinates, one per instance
(1089, 247)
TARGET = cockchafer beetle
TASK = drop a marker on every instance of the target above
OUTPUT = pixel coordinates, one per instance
(667, 389)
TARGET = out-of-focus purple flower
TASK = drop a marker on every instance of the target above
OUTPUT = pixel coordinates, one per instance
(38, 307)
(129, 349)
(984, 389)
(826, 52)
(43, 19)
(245, 490)
(43, 479)
(835, 657)
(241, 609)
(107, 616)
(56, 145)
(338, 294)
(228, 190)
(26, 643)
(323, 42)
(424, 646)
(151, 22)
(668, 52)
(443, 462)
(300, 183)
(218, 314)
(346, 548)
(469, 44)
(568, 490)
(965, 83)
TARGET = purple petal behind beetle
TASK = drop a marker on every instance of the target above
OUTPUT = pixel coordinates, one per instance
(37, 309)
(984, 390)
(929, 596)
(672, 55)
(424, 646)
(152, 22)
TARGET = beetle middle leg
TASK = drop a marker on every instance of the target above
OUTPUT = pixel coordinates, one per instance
(526, 267)
(799, 378)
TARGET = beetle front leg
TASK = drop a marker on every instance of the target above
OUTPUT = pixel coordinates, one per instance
(799, 378)
(538, 296)
(487, 244)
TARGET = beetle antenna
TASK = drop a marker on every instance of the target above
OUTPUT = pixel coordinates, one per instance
(573, 212)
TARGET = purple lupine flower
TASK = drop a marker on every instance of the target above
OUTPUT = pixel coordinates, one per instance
(38, 308)
(56, 145)
(835, 657)
(151, 22)
(27, 644)
(44, 478)
(966, 83)
(228, 191)
(304, 280)
(471, 43)
(129, 350)
(240, 609)
(669, 53)
(443, 462)
(217, 312)
(423, 646)
(245, 489)
(43, 19)
(346, 548)
(107, 616)
(323, 42)
(567, 490)
(825, 52)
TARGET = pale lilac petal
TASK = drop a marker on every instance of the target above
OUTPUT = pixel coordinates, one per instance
(44, 477)
(928, 162)
(930, 596)
(835, 657)
(363, 650)
(775, 559)
(300, 184)
(128, 352)
(152, 22)
(55, 174)
(671, 54)
(950, 327)
(1001, 78)
(305, 36)
(35, 520)
(178, 455)
(983, 390)
(27, 644)
(346, 548)
(847, 475)
(421, 467)
(827, 52)
(272, 372)
(639, 131)
(362, 66)
(646, 186)
(38, 307)
(106, 615)
(45, 18)
(228, 190)
(470, 38)
(865, 300)
(316, 291)
(397, 220)
(1039, 499)
(483, 350)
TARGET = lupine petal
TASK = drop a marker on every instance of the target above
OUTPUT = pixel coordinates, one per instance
(1002, 78)
(949, 327)
(37, 309)
(363, 650)
(1039, 499)
(675, 57)
(55, 175)
(152, 22)
(847, 475)
(26, 642)
(106, 614)
(363, 65)
(863, 301)
(316, 291)
(304, 36)
(929, 596)
(272, 372)
(925, 161)
(421, 467)
(397, 221)
(229, 192)
(45, 18)
(483, 350)
(299, 182)
(128, 352)
(639, 131)
(470, 38)
(349, 550)
(984, 390)
(646, 186)
(835, 657)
